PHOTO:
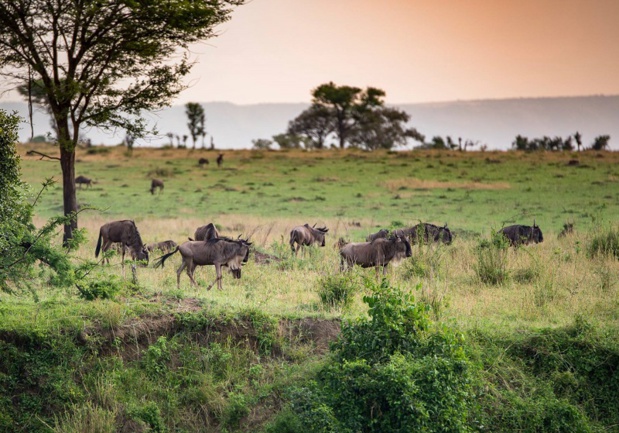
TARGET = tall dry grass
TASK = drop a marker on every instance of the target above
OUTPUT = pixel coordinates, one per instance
(548, 284)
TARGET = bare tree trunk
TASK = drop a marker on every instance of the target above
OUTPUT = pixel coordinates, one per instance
(69, 197)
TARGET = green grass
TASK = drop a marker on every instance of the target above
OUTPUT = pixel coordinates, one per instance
(114, 366)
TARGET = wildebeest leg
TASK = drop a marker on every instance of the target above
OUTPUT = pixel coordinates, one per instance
(179, 271)
(191, 268)
(106, 246)
(218, 279)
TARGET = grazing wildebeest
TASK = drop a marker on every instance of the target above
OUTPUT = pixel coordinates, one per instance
(382, 233)
(218, 252)
(426, 233)
(206, 232)
(154, 184)
(568, 229)
(519, 234)
(126, 233)
(306, 235)
(202, 162)
(377, 253)
(220, 159)
(83, 180)
(165, 246)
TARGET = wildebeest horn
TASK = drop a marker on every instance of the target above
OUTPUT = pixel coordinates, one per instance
(534, 222)
(314, 226)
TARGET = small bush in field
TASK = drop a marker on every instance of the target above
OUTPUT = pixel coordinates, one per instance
(491, 266)
(100, 289)
(605, 243)
(336, 291)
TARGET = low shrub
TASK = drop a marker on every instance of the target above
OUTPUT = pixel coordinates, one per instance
(491, 266)
(605, 243)
(337, 290)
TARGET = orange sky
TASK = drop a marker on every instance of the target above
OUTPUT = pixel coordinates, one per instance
(416, 50)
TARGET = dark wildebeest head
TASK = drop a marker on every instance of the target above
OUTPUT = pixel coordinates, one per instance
(377, 253)
(206, 232)
(438, 234)
(382, 233)
(217, 252)
(126, 233)
(154, 184)
(306, 235)
(83, 180)
(165, 246)
(519, 234)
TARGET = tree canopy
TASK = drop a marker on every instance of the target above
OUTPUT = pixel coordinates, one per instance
(101, 62)
(356, 117)
(195, 121)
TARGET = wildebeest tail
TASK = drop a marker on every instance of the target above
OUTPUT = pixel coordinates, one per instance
(160, 261)
(98, 245)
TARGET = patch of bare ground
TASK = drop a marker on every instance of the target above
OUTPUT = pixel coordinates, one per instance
(133, 337)
(412, 183)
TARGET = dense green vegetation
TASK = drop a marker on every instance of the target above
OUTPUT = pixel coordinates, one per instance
(445, 344)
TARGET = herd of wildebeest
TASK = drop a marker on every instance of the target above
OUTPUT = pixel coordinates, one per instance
(207, 247)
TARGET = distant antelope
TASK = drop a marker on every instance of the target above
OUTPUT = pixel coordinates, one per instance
(154, 184)
(220, 159)
(202, 162)
(83, 180)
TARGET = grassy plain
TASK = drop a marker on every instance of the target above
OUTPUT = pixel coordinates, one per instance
(158, 358)
(264, 194)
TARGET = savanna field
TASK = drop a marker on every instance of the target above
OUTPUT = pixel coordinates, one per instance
(515, 339)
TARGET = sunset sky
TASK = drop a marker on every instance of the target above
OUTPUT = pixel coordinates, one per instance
(416, 50)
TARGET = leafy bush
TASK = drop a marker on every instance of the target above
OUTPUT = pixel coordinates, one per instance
(21, 244)
(100, 289)
(395, 372)
(491, 266)
(336, 291)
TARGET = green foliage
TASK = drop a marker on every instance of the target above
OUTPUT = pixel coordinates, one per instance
(21, 244)
(605, 243)
(491, 266)
(100, 289)
(394, 372)
(552, 380)
(337, 290)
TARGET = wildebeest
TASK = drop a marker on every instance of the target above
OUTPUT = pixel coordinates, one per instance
(218, 252)
(126, 233)
(382, 233)
(377, 253)
(206, 232)
(426, 233)
(568, 229)
(202, 162)
(519, 234)
(154, 184)
(164, 246)
(306, 235)
(83, 180)
(220, 159)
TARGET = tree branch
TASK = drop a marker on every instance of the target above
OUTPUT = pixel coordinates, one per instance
(32, 152)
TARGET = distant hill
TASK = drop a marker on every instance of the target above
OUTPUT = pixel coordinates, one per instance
(491, 122)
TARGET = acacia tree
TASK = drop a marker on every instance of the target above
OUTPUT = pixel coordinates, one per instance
(196, 121)
(316, 123)
(101, 62)
(341, 101)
